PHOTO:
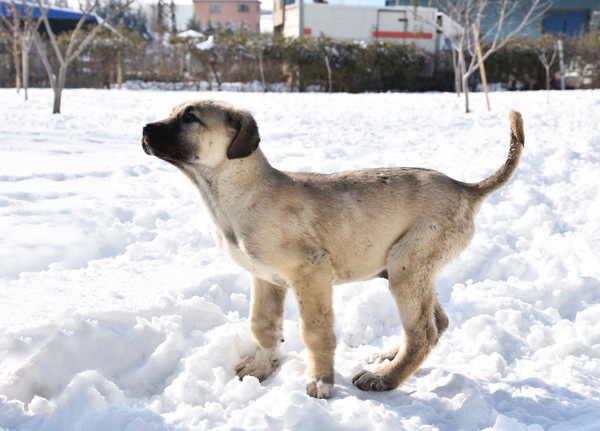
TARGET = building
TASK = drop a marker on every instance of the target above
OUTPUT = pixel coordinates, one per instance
(401, 24)
(60, 19)
(569, 17)
(183, 14)
(236, 13)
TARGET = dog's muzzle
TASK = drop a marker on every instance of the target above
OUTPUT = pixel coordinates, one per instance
(145, 145)
(147, 148)
(160, 140)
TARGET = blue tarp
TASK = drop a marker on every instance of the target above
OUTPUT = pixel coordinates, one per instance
(33, 10)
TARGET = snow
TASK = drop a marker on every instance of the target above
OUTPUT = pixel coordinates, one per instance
(207, 44)
(118, 312)
(192, 34)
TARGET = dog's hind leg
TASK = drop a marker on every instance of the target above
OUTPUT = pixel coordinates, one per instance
(412, 269)
(441, 322)
(441, 318)
(266, 324)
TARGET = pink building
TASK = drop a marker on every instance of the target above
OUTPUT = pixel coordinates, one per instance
(241, 13)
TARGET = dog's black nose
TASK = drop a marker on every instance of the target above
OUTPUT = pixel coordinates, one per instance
(148, 128)
(147, 149)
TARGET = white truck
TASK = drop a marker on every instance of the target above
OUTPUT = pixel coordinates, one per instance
(400, 24)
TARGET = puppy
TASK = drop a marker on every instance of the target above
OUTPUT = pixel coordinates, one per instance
(306, 232)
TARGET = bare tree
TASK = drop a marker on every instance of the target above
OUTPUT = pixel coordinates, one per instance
(22, 26)
(499, 21)
(77, 42)
(12, 28)
(547, 52)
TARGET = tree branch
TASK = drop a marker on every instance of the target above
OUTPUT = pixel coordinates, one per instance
(101, 24)
(44, 57)
(51, 36)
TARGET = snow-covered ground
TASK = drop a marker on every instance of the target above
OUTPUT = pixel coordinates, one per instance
(118, 312)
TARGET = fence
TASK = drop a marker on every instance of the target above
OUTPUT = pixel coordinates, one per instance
(304, 64)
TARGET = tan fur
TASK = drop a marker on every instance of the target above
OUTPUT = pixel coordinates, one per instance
(308, 232)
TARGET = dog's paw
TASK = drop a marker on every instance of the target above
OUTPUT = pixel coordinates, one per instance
(260, 366)
(367, 381)
(378, 358)
(319, 389)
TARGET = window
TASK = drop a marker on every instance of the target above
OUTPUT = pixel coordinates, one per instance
(567, 22)
(243, 8)
(215, 8)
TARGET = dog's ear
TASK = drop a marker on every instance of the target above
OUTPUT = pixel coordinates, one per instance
(246, 139)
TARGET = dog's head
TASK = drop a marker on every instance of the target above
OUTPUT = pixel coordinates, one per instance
(203, 132)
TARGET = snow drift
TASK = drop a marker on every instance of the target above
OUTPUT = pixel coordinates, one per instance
(118, 312)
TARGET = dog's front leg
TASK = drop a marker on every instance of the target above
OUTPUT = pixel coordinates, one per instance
(266, 323)
(314, 296)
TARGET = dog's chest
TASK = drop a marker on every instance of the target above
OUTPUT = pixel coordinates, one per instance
(238, 251)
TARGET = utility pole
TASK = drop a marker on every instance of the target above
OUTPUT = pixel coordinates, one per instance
(481, 65)
(561, 62)
(159, 18)
(173, 18)
(301, 17)
(161, 38)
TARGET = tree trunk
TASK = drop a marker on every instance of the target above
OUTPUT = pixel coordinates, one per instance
(329, 78)
(58, 87)
(261, 69)
(457, 81)
(547, 83)
(459, 72)
(466, 91)
(465, 86)
(57, 99)
(119, 71)
(17, 62)
(460, 77)
(455, 64)
(25, 65)
(481, 65)
(213, 67)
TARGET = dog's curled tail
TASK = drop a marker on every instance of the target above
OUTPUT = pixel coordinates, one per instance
(502, 175)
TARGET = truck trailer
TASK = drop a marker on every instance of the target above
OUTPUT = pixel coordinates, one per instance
(424, 27)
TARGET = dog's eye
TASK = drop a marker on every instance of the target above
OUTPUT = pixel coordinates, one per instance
(188, 117)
